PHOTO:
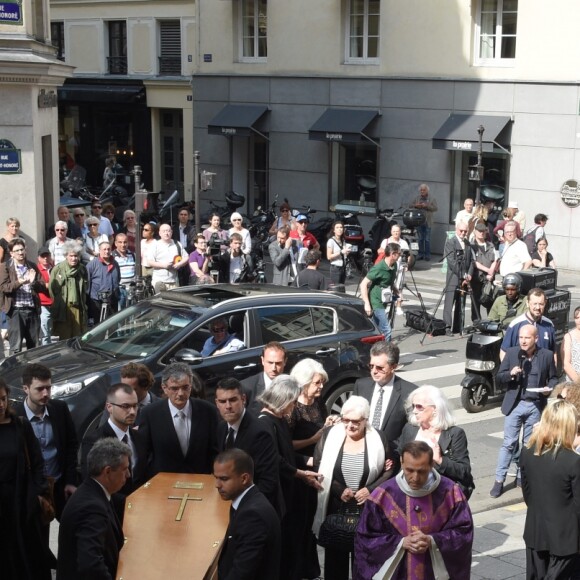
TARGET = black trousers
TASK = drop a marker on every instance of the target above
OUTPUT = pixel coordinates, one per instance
(23, 324)
(541, 565)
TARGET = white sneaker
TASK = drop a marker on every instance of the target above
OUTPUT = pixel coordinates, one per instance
(399, 311)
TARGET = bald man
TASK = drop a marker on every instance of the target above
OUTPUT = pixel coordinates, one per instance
(529, 374)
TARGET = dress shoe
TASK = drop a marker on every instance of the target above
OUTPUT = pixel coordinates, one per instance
(497, 489)
(420, 258)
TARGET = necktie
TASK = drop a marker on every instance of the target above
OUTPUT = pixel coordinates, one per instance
(230, 438)
(378, 410)
(181, 429)
(125, 439)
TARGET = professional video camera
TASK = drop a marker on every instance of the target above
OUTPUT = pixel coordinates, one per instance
(104, 296)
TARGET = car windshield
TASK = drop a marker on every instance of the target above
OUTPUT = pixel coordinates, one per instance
(139, 330)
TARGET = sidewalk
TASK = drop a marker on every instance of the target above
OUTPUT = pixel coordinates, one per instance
(498, 546)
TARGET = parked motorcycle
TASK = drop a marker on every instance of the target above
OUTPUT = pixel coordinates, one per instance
(233, 202)
(482, 364)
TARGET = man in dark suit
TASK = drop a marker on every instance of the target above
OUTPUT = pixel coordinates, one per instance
(385, 392)
(184, 232)
(54, 428)
(138, 376)
(242, 430)
(459, 271)
(121, 408)
(253, 539)
(90, 536)
(274, 359)
(530, 374)
(180, 433)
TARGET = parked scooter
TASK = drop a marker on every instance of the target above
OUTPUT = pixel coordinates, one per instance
(233, 202)
(482, 364)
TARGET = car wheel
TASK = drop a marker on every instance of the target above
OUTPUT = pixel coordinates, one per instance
(338, 398)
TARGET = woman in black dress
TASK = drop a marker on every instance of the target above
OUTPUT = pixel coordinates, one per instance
(278, 402)
(308, 419)
(23, 553)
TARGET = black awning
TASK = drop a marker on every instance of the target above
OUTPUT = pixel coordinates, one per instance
(459, 133)
(101, 93)
(343, 125)
(237, 120)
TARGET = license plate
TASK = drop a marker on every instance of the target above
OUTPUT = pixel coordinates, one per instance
(414, 246)
(353, 248)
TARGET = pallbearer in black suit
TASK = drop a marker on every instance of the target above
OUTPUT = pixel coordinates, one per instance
(274, 359)
(241, 429)
(90, 535)
(180, 433)
(121, 408)
(253, 541)
(138, 376)
(460, 267)
(385, 392)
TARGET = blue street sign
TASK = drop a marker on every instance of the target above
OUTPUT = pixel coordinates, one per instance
(10, 161)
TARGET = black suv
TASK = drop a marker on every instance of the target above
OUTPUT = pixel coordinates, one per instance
(173, 327)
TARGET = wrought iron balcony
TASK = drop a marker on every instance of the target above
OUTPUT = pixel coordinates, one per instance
(117, 65)
(170, 65)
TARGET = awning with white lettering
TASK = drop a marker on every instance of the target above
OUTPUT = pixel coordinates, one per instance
(237, 120)
(459, 133)
(344, 126)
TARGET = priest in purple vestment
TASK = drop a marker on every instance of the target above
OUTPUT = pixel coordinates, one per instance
(415, 525)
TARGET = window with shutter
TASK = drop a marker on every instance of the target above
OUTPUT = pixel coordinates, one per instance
(170, 47)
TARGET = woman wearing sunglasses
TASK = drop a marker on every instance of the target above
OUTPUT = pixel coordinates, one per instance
(283, 220)
(430, 420)
(238, 228)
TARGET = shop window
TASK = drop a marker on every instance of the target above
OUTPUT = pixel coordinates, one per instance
(363, 31)
(253, 30)
(117, 59)
(496, 31)
(170, 47)
(494, 185)
(354, 174)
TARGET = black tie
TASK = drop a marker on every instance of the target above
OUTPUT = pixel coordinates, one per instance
(230, 438)
(125, 439)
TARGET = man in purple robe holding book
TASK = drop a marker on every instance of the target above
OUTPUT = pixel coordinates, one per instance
(414, 526)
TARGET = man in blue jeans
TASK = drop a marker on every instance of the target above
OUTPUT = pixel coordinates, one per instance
(379, 277)
(530, 374)
(428, 205)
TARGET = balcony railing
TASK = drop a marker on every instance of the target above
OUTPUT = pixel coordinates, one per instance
(170, 65)
(117, 65)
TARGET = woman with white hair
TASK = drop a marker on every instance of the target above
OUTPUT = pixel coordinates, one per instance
(430, 420)
(278, 402)
(130, 228)
(354, 459)
(306, 424)
(238, 228)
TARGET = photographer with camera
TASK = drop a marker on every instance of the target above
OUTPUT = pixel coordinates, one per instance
(234, 266)
(380, 277)
(104, 279)
(406, 259)
(459, 272)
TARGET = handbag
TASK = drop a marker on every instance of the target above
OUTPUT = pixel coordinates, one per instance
(337, 530)
(489, 293)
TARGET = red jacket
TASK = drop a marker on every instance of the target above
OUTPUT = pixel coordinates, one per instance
(44, 295)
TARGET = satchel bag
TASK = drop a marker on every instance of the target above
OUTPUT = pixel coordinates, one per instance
(489, 293)
(337, 530)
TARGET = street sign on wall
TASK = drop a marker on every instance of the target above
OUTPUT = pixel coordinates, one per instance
(10, 160)
(11, 12)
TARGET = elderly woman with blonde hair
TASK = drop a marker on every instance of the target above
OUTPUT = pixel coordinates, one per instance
(551, 488)
(430, 420)
(353, 459)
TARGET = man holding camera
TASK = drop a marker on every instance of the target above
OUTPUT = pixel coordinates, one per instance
(380, 277)
(234, 265)
(459, 272)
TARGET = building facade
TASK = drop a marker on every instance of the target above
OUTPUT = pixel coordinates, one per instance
(357, 102)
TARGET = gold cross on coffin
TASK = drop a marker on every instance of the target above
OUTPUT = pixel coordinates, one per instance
(184, 499)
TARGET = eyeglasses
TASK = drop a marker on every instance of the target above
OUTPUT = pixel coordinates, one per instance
(303, 222)
(93, 225)
(18, 250)
(462, 231)
(184, 389)
(285, 210)
(218, 330)
(126, 406)
(236, 220)
(377, 368)
(79, 215)
(353, 422)
(59, 230)
(97, 207)
(419, 407)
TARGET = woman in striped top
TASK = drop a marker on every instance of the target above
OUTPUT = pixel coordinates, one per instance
(354, 459)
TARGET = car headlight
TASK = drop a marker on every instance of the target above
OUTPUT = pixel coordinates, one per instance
(479, 365)
(71, 388)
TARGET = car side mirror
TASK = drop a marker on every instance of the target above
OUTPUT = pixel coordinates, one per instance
(188, 355)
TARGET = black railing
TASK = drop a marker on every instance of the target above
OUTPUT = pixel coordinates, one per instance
(117, 65)
(170, 65)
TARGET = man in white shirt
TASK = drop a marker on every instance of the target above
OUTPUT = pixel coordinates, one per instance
(515, 256)
(166, 258)
(466, 214)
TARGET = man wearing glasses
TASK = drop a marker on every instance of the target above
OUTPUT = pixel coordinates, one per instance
(221, 341)
(459, 271)
(79, 218)
(180, 432)
(105, 226)
(121, 408)
(20, 282)
(385, 392)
